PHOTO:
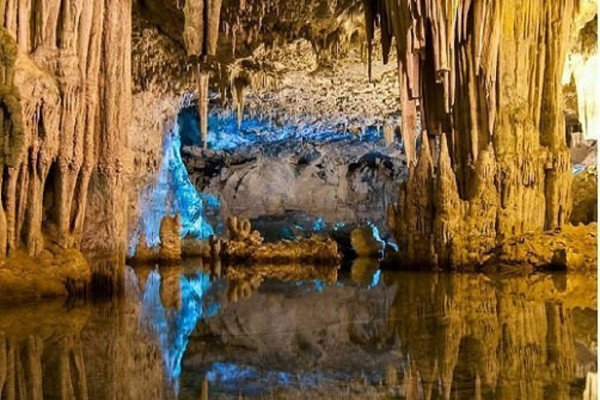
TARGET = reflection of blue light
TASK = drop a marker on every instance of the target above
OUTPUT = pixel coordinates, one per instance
(173, 327)
(316, 285)
(578, 169)
(173, 193)
(375, 279)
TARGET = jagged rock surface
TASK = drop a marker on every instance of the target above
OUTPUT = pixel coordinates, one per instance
(485, 77)
(64, 158)
(246, 245)
(585, 197)
(350, 180)
(567, 248)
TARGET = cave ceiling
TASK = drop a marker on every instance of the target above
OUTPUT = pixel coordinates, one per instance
(245, 24)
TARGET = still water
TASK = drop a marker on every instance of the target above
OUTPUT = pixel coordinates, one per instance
(302, 332)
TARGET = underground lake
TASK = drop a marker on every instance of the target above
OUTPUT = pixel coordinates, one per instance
(299, 199)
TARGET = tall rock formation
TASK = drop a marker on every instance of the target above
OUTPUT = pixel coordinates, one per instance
(482, 79)
(65, 96)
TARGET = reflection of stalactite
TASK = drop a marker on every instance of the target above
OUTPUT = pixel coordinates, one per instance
(31, 370)
(486, 75)
(489, 335)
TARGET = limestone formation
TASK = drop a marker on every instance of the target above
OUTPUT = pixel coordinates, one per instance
(246, 245)
(171, 245)
(55, 272)
(365, 244)
(482, 79)
(170, 239)
(239, 229)
(585, 197)
(64, 157)
(567, 248)
(200, 36)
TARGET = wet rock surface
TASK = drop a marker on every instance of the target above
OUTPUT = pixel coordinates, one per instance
(366, 242)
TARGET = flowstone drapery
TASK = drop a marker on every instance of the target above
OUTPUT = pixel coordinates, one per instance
(64, 156)
(482, 80)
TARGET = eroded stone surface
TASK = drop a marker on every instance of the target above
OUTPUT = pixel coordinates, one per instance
(246, 245)
(64, 158)
(479, 81)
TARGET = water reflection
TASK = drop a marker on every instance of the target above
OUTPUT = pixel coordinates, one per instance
(171, 306)
(308, 333)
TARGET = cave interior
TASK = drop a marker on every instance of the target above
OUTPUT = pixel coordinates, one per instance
(298, 199)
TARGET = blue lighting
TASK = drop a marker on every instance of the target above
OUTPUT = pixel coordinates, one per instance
(375, 233)
(224, 134)
(249, 380)
(173, 193)
(339, 225)
(319, 224)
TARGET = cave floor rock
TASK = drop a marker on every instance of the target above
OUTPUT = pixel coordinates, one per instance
(56, 272)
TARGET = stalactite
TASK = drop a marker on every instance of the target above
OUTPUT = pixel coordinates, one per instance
(200, 35)
(485, 75)
(203, 78)
(239, 86)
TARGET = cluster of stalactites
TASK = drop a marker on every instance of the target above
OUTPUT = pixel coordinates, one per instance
(484, 75)
(200, 36)
(242, 76)
(583, 62)
(279, 21)
(443, 45)
(51, 64)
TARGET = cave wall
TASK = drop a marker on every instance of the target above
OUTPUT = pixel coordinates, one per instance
(65, 100)
(483, 80)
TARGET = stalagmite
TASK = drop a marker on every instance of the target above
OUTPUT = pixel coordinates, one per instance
(170, 239)
(485, 76)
